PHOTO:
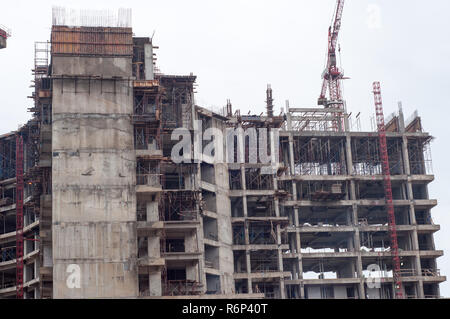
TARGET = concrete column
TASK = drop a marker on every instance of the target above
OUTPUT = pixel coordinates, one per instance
(401, 118)
(190, 242)
(354, 213)
(154, 250)
(152, 211)
(155, 283)
(154, 278)
(192, 272)
(276, 204)
(420, 282)
(249, 280)
(280, 263)
(412, 213)
(294, 198)
(247, 243)
(348, 153)
(148, 52)
(291, 154)
(200, 265)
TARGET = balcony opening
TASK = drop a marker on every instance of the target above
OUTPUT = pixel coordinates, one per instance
(322, 191)
(240, 261)
(241, 286)
(323, 216)
(211, 257)
(210, 228)
(235, 179)
(208, 173)
(420, 191)
(175, 246)
(260, 206)
(212, 284)
(237, 209)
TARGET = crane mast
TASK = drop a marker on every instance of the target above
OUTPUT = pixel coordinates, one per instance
(5, 33)
(388, 190)
(332, 75)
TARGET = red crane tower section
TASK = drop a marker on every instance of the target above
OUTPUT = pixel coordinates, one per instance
(19, 217)
(332, 75)
(4, 32)
(388, 189)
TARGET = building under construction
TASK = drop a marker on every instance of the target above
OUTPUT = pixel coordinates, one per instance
(89, 188)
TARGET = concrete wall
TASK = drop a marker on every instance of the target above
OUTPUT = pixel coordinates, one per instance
(225, 233)
(314, 292)
(93, 179)
(340, 292)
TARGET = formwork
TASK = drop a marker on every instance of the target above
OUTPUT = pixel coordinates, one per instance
(92, 41)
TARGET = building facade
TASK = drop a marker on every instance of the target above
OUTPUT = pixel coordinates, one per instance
(105, 200)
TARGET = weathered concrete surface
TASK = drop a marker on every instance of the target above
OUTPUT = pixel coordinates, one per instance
(226, 265)
(93, 179)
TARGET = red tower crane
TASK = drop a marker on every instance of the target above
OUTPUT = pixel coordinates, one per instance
(388, 189)
(19, 217)
(332, 75)
(5, 32)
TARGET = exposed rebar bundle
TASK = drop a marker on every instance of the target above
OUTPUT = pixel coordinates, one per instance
(91, 18)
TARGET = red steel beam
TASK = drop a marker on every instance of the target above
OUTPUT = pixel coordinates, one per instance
(388, 189)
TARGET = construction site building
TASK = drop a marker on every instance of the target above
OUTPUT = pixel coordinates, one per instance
(105, 200)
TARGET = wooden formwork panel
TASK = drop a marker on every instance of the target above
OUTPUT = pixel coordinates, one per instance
(96, 41)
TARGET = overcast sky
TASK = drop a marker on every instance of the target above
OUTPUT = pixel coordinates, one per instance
(237, 47)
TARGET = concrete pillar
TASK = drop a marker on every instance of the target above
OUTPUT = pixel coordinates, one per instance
(412, 213)
(401, 118)
(154, 247)
(190, 242)
(291, 154)
(348, 153)
(155, 283)
(148, 52)
(276, 204)
(280, 263)
(154, 250)
(192, 272)
(152, 211)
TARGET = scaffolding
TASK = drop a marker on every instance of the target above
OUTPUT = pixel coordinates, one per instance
(181, 288)
(317, 120)
(256, 181)
(319, 156)
(366, 156)
(179, 205)
(420, 160)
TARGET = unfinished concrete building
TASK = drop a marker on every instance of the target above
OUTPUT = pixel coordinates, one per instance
(104, 199)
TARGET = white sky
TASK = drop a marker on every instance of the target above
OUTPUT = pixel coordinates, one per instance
(237, 47)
